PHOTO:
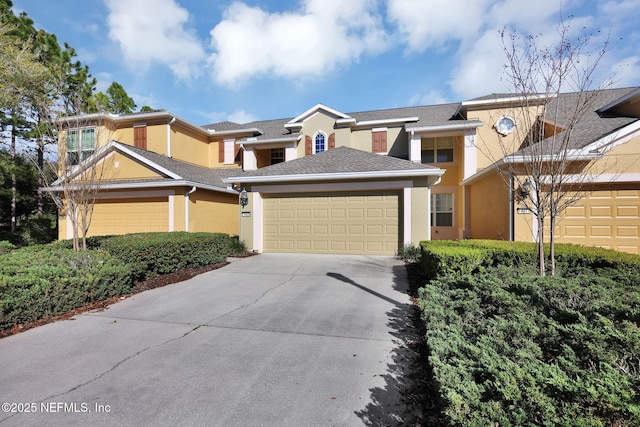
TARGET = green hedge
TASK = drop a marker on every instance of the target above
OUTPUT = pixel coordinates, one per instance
(47, 280)
(44, 281)
(151, 254)
(441, 257)
(507, 346)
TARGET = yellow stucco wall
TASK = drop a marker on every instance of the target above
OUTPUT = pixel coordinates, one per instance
(214, 212)
(489, 208)
(491, 146)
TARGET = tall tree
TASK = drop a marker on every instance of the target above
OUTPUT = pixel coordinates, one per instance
(116, 101)
(540, 158)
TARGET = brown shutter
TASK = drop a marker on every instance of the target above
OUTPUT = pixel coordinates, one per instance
(236, 150)
(220, 151)
(308, 148)
(379, 142)
(140, 137)
(332, 141)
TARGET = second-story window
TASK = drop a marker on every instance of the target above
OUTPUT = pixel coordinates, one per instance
(320, 142)
(80, 145)
(437, 150)
(277, 155)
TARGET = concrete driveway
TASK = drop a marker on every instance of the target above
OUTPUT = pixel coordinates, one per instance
(275, 339)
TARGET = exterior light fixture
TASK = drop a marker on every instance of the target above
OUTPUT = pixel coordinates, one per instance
(244, 198)
(525, 189)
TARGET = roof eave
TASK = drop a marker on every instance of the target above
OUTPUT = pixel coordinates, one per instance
(436, 172)
(471, 124)
(151, 184)
(287, 139)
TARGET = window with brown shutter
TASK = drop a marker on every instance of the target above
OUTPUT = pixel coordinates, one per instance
(220, 151)
(379, 141)
(140, 136)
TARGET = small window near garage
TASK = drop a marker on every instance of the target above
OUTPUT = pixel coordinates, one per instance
(277, 155)
(442, 210)
(80, 145)
(437, 150)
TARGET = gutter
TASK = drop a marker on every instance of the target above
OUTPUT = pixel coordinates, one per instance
(472, 124)
(335, 176)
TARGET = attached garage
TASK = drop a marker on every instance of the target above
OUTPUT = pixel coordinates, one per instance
(607, 218)
(333, 223)
(339, 201)
(128, 216)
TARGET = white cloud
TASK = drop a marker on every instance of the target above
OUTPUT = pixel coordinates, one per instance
(312, 41)
(425, 24)
(238, 116)
(155, 33)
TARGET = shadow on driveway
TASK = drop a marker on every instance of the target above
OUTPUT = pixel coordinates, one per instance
(409, 397)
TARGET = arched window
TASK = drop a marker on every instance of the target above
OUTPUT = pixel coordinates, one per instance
(320, 140)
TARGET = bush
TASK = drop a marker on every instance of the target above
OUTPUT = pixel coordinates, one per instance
(46, 280)
(42, 281)
(510, 347)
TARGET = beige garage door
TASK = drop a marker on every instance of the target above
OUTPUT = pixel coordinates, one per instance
(125, 216)
(609, 219)
(349, 223)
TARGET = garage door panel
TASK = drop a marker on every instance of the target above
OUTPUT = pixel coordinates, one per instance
(328, 223)
(609, 219)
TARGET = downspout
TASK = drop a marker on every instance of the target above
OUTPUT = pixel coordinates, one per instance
(436, 182)
(186, 207)
(512, 227)
(173, 119)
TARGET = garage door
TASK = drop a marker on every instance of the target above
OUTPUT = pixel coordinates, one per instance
(609, 219)
(348, 223)
(126, 216)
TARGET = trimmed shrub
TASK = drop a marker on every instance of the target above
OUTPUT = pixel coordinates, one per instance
(43, 281)
(509, 347)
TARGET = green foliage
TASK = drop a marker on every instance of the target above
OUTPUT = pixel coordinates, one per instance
(40, 230)
(116, 100)
(6, 246)
(410, 253)
(510, 347)
(42, 281)
(45, 280)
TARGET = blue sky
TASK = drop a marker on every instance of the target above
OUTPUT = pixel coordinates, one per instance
(209, 61)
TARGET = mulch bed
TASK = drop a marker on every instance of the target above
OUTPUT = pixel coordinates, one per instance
(156, 282)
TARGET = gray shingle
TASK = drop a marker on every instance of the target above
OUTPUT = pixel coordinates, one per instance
(338, 160)
(189, 172)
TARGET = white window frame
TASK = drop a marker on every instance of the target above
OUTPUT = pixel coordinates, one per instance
(434, 213)
(80, 150)
(326, 141)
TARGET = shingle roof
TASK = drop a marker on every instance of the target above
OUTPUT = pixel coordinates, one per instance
(338, 161)
(189, 172)
(592, 126)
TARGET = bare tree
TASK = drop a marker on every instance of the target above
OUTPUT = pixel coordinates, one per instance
(554, 86)
(82, 171)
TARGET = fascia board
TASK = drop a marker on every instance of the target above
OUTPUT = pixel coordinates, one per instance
(151, 184)
(296, 121)
(507, 100)
(270, 140)
(571, 155)
(336, 176)
(620, 100)
(609, 140)
(471, 124)
(253, 131)
(371, 123)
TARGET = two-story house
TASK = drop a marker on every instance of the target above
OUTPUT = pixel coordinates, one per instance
(364, 182)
